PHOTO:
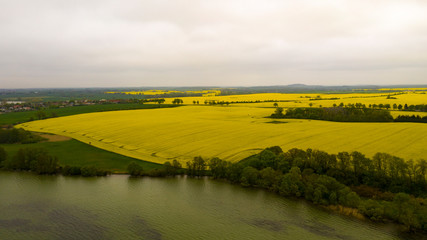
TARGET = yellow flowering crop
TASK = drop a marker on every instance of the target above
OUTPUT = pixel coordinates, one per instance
(229, 132)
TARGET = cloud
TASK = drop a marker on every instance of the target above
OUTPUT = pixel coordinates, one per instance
(187, 42)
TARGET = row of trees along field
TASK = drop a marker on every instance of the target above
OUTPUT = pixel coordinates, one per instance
(14, 135)
(395, 106)
(344, 114)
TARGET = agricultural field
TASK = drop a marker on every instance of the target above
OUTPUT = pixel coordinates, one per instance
(303, 99)
(236, 131)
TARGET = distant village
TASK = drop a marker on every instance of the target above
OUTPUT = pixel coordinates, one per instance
(21, 106)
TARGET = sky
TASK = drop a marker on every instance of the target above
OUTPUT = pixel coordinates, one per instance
(137, 43)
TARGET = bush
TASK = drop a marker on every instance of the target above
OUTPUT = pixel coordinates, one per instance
(134, 169)
(71, 171)
(33, 159)
(3, 155)
(372, 209)
(157, 173)
(91, 171)
(18, 136)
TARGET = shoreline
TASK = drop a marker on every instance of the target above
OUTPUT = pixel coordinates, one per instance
(337, 209)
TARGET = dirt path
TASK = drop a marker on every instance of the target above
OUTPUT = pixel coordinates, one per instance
(54, 138)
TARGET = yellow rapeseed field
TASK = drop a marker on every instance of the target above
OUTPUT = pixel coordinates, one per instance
(303, 99)
(230, 132)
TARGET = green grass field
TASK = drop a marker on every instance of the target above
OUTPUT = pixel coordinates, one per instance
(19, 117)
(75, 153)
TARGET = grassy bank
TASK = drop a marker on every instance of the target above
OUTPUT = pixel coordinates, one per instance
(75, 153)
(19, 117)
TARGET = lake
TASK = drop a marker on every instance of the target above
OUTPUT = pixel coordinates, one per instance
(119, 207)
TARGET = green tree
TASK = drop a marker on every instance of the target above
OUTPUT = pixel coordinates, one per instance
(344, 161)
(134, 169)
(179, 101)
(169, 169)
(71, 171)
(421, 170)
(360, 163)
(44, 164)
(196, 167)
(411, 170)
(268, 178)
(234, 171)
(34, 159)
(89, 171)
(41, 114)
(160, 101)
(218, 167)
(267, 158)
(249, 176)
(291, 183)
(278, 113)
(18, 162)
(379, 162)
(404, 209)
(352, 200)
(3, 156)
(177, 165)
(372, 209)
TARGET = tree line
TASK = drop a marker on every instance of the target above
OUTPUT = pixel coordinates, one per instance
(404, 107)
(178, 101)
(413, 118)
(387, 106)
(345, 114)
(338, 114)
(168, 169)
(15, 135)
(36, 160)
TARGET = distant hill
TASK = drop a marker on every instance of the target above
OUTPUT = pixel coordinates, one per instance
(59, 94)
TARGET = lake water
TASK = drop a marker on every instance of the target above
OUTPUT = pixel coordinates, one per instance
(118, 207)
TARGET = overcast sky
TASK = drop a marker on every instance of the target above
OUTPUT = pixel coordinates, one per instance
(105, 43)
